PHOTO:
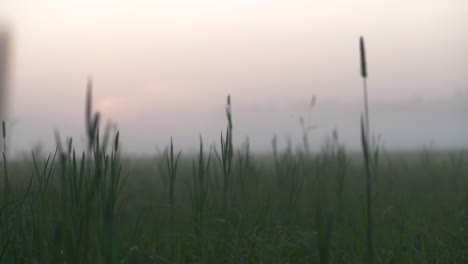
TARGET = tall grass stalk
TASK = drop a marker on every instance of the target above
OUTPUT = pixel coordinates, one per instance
(365, 134)
(200, 172)
(91, 119)
(171, 169)
(4, 212)
(171, 162)
(362, 52)
(6, 179)
(306, 127)
(227, 155)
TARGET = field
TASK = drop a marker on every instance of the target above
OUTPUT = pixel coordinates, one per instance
(312, 204)
(227, 205)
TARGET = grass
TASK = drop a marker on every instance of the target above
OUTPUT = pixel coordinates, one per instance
(225, 204)
(316, 213)
(365, 135)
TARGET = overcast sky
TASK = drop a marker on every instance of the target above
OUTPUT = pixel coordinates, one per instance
(166, 60)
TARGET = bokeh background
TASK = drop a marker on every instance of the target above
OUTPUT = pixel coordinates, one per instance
(164, 68)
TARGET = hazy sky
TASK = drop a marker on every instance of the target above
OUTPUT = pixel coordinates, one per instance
(165, 60)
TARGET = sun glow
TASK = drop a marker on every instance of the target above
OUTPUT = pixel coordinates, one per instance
(107, 105)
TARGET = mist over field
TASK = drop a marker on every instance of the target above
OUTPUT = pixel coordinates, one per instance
(165, 69)
(411, 125)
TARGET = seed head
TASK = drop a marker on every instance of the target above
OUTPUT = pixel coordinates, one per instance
(362, 50)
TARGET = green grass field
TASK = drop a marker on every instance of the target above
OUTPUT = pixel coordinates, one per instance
(227, 205)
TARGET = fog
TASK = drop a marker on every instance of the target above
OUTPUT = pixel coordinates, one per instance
(165, 69)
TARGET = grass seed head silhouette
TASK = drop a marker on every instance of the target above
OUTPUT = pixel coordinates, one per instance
(91, 120)
(362, 51)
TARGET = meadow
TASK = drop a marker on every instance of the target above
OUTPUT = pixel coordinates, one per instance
(312, 204)
(227, 205)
